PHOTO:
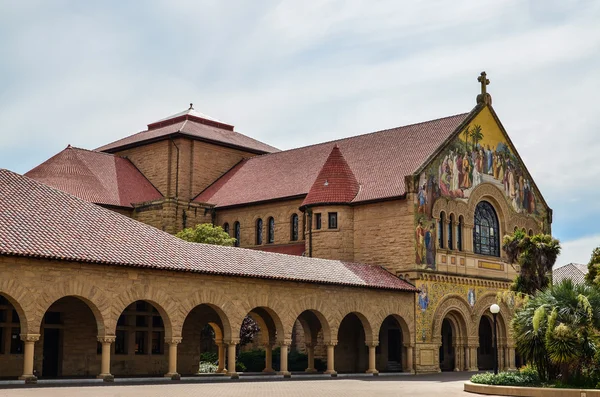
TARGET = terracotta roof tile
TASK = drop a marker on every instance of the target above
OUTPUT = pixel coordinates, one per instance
(42, 222)
(335, 183)
(96, 177)
(186, 123)
(574, 271)
(379, 161)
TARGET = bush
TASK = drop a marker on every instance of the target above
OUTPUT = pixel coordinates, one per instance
(240, 367)
(207, 368)
(254, 361)
(209, 357)
(527, 376)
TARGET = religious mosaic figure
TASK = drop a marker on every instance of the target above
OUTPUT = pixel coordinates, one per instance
(471, 297)
(423, 298)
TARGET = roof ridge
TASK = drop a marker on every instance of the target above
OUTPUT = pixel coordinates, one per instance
(92, 151)
(359, 135)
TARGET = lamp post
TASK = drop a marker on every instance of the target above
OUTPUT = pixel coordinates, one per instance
(495, 309)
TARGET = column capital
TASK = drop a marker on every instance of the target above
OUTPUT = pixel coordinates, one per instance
(232, 341)
(330, 343)
(287, 343)
(30, 337)
(174, 340)
(107, 339)
(372, 343)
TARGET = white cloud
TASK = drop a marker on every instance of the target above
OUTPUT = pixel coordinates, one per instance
(578, 250)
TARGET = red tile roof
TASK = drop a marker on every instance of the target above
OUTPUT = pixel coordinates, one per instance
(96, 177)
(335, 183)
(379, 161)
(574, 271)
(42, 222)
(195, 125)
(288, 249)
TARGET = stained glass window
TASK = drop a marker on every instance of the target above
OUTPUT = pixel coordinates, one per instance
(440, 230)
(259, 231)
(271, 232)
(486, 233)
(294, 234)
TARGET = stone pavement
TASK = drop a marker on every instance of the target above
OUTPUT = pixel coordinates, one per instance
(438, 385)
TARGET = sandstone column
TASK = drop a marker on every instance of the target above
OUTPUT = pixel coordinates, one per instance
(310, 351)
(173, 342)
(221, 347)
(283, 365)
(269, 358)
(511, 358)
(231, 360)
(330, 358)
(29, 340)
(473, 357)
(372, 365)
(409, 359)
(105, 374)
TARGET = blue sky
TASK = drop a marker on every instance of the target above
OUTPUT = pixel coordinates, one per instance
(293, 73)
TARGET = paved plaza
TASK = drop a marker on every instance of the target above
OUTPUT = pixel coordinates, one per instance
(441, 385)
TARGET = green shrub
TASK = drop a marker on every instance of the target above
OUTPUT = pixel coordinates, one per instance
(209, 357)
(240, 367)
(526, 377)
(254, 360)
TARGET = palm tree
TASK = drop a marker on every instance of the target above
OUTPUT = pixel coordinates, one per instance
(556, 329)
(476, 135)
(467, 135)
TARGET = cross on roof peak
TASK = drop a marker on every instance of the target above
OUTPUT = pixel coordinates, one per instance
(484, 97)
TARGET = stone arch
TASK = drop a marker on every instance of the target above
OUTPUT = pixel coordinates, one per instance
(493, 195)
(166, 306)
(274, 308)
(92, 296)
(21, 299)
(352, 307)
(481, 307)
(314, 306)
(461, 314)
(215, 300)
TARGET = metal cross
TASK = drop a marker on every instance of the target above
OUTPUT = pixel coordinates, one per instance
(484, 82)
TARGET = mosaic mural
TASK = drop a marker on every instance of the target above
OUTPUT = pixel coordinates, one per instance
(479, 154)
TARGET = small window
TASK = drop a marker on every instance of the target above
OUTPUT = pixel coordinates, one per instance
(294, 232)
(450, 226)
(121, 342)
(318, 221)
(530, 233)
(271, 231)
(332, 216)
(140, 342)
(259, 231)
(459, 229)
(226, 227)
(237, 232)
(440, 230)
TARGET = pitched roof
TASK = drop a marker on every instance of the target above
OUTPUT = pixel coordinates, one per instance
(379, 161)
(574, 271)
(96, 177)
(335, 183)
(194, 125)
(42, 222)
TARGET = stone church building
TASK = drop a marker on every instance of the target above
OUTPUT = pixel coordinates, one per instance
(378, 252)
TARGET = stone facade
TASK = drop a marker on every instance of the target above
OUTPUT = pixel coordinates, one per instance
(85, 305)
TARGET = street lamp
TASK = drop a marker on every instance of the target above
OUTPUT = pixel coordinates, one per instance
(495, 309)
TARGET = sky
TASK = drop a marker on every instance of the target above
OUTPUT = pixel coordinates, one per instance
(294, 73)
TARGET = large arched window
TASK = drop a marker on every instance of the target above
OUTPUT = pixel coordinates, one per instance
(271, 231)
(486, 233)
(236, 231)
(294, 231)
(259, 231)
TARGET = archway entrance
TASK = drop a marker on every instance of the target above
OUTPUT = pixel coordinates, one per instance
(485, 351)
(11, 345)
(139, 348)
(70, 320)
(308, 336)
(391, 352)
(351, 352)
(202, 347)
(260, 331)
(447, 356)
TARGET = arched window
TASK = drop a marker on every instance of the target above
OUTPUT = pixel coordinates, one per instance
(530, 233)
(236, 231)
(294, 231)
(449, 234)
(226, 227)
(259, 231)
(459, 231)
(271, 231)
(486, 233)
(440, 229)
